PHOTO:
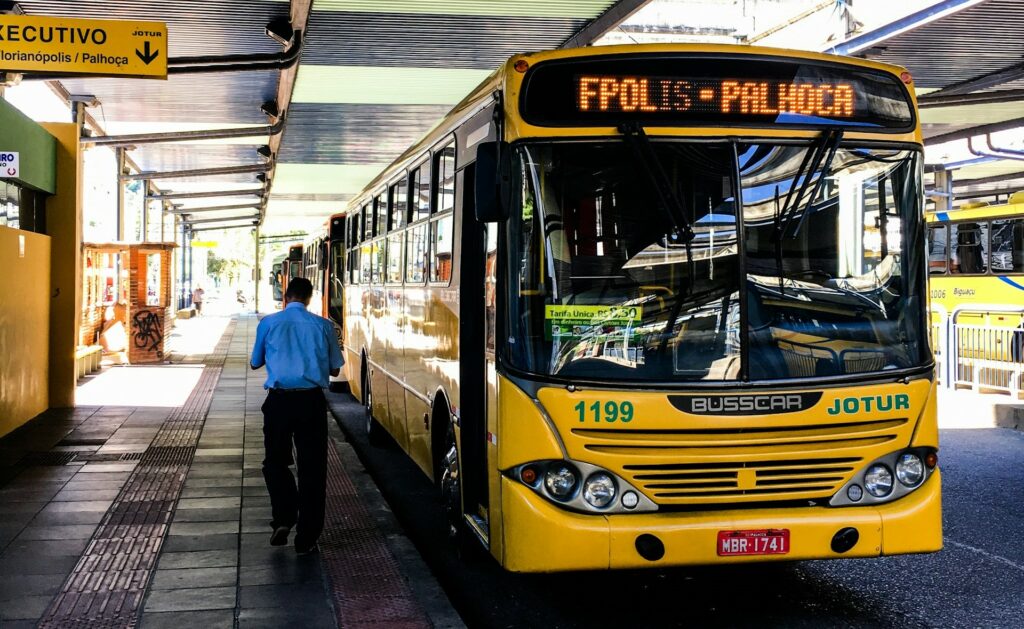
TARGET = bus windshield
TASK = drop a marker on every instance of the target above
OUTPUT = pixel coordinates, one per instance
(827, 278)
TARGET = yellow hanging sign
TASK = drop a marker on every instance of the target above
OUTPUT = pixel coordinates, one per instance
(60, 45)
(206, 244)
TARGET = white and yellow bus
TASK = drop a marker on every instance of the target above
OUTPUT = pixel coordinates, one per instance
(976, 259)
(658, 305)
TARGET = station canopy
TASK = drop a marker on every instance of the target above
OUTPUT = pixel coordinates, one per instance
(371, 77)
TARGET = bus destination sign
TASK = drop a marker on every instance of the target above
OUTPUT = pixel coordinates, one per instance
(689, 90)
(629, 94)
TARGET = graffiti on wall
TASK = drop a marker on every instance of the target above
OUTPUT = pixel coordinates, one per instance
(147, 330)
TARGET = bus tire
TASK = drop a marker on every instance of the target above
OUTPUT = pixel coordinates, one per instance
(374, 431)
(451, 484)
(465, 543)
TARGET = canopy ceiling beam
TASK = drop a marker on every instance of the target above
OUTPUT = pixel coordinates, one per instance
(184, 136)
(199, 172)
(168, 196)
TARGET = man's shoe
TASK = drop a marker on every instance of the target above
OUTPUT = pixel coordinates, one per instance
(280, 536)
(305, 549)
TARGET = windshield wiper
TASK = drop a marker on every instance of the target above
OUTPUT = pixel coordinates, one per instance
(636, 137)
(823, 149)
(682, 230)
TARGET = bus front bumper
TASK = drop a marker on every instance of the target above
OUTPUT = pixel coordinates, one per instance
(540, 537)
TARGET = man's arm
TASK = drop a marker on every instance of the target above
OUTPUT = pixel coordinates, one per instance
(333, 351)
(259, 352)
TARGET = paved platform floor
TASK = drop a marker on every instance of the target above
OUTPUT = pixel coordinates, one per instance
(157, 516)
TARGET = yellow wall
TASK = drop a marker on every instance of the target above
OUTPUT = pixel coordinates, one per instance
(24, 326)
(64, 224)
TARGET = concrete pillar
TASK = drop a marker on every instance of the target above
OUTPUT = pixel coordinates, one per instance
(64, 225)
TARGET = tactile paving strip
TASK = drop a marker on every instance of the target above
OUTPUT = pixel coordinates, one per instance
(366, 584)
(107, 586)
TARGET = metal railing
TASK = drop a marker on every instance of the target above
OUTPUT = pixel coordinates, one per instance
(980, 356)
(989, 357)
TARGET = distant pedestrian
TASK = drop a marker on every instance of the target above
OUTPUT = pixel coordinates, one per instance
(197, 299)
(299, 350)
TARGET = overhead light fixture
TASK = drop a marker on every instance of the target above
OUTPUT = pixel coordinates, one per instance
(271, 109)
(281, 31)
(265, 151)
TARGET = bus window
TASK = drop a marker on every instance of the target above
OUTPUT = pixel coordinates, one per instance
(365, 263)
(441, 249)
(399, 204)
(382, 214)
(416, 255)
(396, 243)
(970, 242)
(420, 192)
(377, 262)
(367, 213)
(336, 302)
(491, 285)
(445, 169)
(937, 250)
(1008, 246)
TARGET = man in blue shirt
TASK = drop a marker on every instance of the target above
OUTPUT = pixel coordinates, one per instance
(299, 349)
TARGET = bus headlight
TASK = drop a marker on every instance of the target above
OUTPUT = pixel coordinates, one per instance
(560, 481)
(599, 490)
(909, 469)
(581, 487)
(878, 481)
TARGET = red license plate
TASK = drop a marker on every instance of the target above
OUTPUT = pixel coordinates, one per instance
(757, 542)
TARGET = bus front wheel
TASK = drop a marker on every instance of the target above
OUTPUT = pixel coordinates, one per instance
(451, 484)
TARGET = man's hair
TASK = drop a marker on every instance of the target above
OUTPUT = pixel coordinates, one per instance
(299, 289)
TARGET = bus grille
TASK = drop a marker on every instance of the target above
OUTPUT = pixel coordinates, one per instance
(759, 480)
(759, 464)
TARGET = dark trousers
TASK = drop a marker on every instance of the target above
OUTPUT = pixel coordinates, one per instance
(299, 416)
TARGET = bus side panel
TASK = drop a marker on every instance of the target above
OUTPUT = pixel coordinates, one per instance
(421, 349)
(355, 338)
(377, 353)
(394, 349)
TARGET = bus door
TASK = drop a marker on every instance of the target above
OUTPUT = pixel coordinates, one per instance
(476, 391)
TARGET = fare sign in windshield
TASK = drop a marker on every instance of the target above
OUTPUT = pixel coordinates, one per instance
(59, 45)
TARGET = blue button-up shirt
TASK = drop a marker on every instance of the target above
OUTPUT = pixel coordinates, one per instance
(298, 348)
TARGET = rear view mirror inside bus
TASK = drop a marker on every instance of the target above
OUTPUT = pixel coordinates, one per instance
(492, 190)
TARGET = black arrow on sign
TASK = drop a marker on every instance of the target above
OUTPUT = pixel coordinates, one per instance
(147, 56)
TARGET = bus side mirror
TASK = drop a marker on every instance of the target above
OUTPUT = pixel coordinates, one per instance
(492, 195)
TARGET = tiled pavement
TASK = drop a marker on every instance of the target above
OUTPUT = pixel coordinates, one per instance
(215, 567)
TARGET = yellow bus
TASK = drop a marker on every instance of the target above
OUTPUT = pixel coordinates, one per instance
(976, 260)
(976, 285)
(658, 305)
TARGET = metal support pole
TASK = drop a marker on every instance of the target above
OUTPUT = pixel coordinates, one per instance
(119, 158)
(257, 279)
(944, 190)
(145, 213)
(190, 278)
(184, 244)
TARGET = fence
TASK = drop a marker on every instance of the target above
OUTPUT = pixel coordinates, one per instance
(979, 356)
